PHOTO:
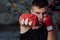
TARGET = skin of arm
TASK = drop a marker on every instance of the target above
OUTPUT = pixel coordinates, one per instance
(51, 35)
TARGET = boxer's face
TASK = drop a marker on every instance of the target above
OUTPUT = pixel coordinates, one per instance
(39, 12)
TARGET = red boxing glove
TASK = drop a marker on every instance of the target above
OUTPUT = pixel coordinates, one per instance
(49, 23)
(31, 17)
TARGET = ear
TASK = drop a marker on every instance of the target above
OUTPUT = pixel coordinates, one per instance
(31, 11)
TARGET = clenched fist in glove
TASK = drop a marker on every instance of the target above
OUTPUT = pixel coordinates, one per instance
(49, 23)
(29, 20)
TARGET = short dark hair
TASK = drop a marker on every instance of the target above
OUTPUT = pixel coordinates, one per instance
(40, 3)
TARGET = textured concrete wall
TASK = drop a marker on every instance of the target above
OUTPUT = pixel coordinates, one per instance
(9, 35)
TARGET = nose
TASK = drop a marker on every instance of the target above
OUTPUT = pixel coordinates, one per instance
(41, 17)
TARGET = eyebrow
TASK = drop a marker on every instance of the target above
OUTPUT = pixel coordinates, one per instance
(44, 12)
(39, 12)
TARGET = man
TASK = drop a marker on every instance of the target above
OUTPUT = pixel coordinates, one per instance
(44, 29)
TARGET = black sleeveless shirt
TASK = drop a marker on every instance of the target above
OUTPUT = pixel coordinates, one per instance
(40, 34)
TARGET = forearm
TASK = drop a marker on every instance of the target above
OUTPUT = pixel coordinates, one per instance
(24, 29)
(51, 35)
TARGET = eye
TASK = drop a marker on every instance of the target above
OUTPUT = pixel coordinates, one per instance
(38, 13)
(44, 13)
